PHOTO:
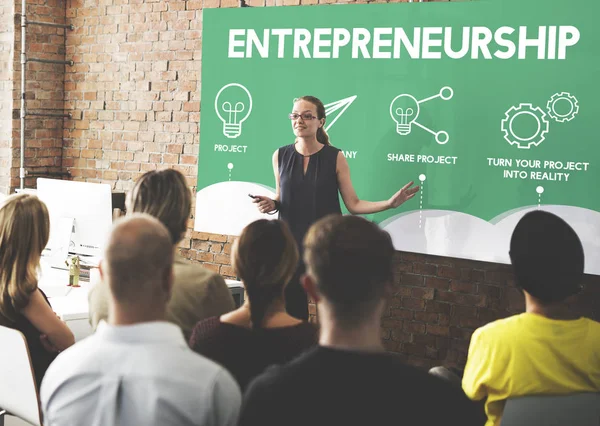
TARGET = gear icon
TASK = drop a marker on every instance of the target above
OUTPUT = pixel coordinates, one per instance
(525, 142)
(559, 117)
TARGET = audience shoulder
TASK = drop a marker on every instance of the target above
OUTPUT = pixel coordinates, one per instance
(72, 360)
(183, 267)
(500, 327)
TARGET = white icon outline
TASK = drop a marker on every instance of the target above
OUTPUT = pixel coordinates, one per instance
(232, 126)
(506, 125)
(342, 104)
(404, 117)
(562, 96)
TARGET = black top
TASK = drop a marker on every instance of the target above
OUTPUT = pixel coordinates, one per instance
(40, 357)
(336, 387)
(305, 198)
(246, 352)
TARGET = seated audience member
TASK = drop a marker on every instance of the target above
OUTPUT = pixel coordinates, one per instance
(137, 369)
(24, 232)
(260, 333)
(197, 292)
(349, 379)
(547, 349)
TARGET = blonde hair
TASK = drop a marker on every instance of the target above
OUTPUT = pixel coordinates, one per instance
(24, 232)
(165, 195)
(265, 257)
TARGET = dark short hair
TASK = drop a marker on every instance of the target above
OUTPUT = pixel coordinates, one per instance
(165, 195)
(547, 257)
(350, 259)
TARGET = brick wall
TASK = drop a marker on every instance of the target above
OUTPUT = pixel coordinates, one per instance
(134, 94)
(439, 302)
(7, 37)
(44, 92)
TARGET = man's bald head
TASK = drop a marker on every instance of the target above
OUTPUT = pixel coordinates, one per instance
(138, 260)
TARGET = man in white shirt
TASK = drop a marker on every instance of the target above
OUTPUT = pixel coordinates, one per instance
(137, 369)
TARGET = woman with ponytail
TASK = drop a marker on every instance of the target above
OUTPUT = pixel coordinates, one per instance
(309, 176)
(260, 333)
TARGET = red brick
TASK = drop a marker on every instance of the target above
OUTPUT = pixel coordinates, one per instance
(392, 323)
(402, 291)
(218, 238)
(425, 269)
(399, 336)
(438, 330)
(389, 345)
(489, 290)
(439, 283)
(448, 272)
(461, 299)
(461, 333)
(205, 257)
(463, 287)
(423, 293)
(413, 349)
(200, 245)
(222, 259)
(212, 267)
(414, 257)
(403, 267)
(411, 279)
(424, 340)
(437, 307)
(216, 248)
(464, 311)
(413, 304)
(428, 317)
(477, 276)
(443, 319)
(414, 327)
(402, 313)
(432, 353)
(499, 277)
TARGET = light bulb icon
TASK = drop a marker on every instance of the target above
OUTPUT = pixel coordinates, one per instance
(404, 110)
(233, 105)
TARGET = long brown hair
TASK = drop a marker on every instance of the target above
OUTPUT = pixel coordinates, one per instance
(24, 232)
(322, 135)
(265, 257)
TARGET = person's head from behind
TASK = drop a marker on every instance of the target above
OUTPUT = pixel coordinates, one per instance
(165, 195)
(138, 267)
(24, 232)
(547, 257)
(308, 119)
(349, 268)
(264, 257)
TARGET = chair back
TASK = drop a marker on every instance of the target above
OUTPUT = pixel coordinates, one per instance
(579, 409)
(18, 390)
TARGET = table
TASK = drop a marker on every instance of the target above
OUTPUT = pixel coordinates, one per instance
(71, 304)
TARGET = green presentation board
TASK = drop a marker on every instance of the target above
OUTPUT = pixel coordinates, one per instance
(490, 106)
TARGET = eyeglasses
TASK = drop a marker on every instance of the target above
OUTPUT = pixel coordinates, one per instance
(307, 116)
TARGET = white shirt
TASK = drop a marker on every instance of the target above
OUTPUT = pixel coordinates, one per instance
(143, 374)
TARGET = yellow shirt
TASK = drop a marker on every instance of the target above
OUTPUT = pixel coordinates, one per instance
(530, 354)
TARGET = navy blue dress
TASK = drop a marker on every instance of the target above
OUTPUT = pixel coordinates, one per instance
(305, 198)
